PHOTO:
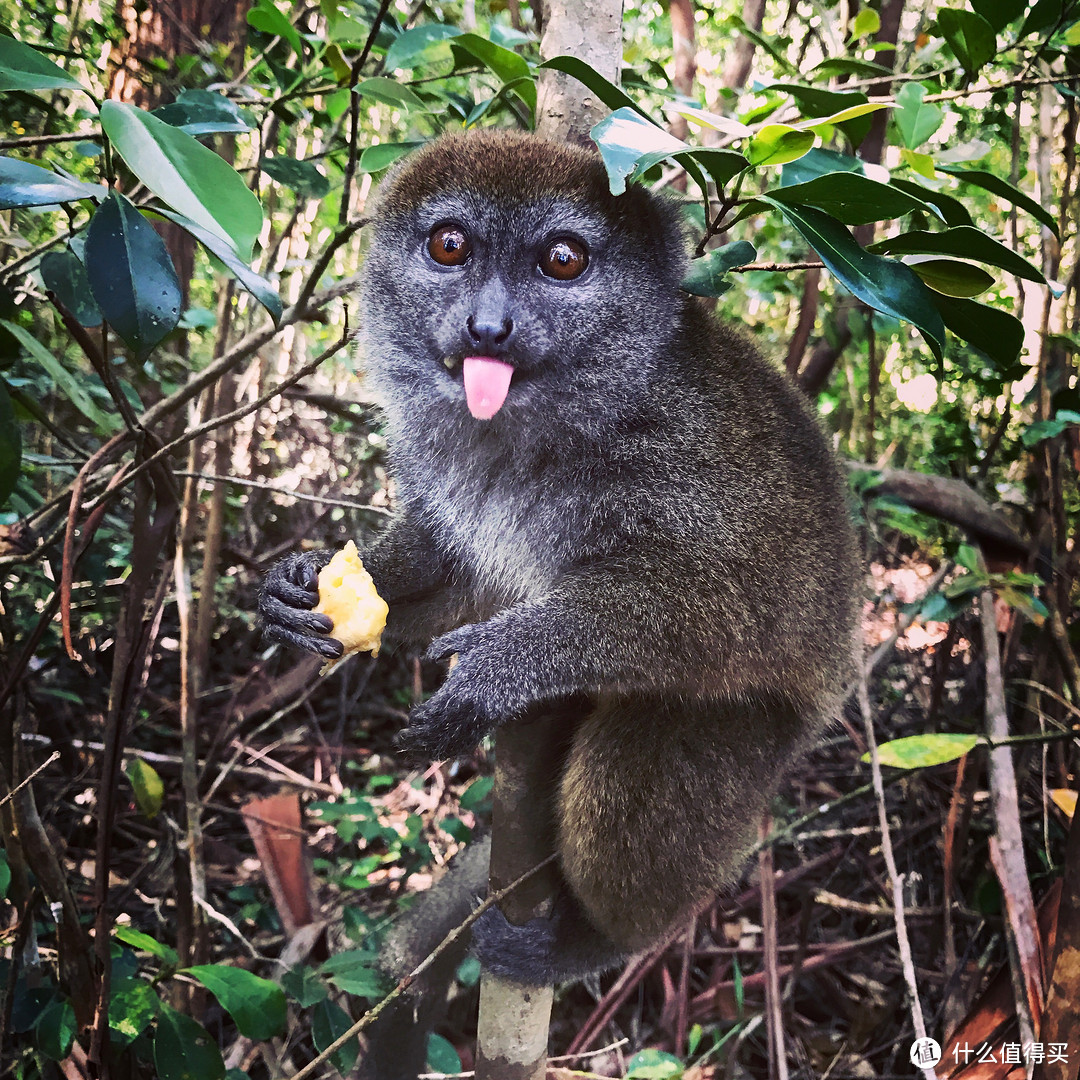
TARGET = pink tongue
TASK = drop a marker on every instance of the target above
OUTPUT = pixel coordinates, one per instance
(486, 382)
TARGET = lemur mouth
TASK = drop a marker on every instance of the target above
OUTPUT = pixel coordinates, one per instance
(486, 380)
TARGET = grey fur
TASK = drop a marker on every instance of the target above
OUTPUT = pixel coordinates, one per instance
(652, 524)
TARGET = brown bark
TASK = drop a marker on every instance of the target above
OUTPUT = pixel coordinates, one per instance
(737, 68)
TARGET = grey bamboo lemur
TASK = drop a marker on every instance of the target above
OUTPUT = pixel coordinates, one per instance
(608, 505)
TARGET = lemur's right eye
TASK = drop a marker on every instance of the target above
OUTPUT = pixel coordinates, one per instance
(448, 245)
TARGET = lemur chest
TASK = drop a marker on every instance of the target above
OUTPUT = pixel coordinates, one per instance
(512, 538)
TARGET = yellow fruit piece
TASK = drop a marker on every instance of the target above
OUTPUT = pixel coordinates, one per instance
(348, 596)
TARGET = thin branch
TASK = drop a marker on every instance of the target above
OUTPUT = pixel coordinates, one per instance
(373, 1014)
(902, 941)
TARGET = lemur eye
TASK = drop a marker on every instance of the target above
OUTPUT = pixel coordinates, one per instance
(448, 245)
(564, 260)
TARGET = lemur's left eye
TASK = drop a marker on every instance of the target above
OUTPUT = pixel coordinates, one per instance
(564, 260)
(449, 246)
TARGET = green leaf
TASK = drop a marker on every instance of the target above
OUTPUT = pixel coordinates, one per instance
(776, 144)
(441, 1056)
(631, 145)
(147, 786)
(304, 986)
(915, 121)
(867, 22)
(506, 64)
(853, 112)
(923, 164)
(706, 276)
(256, 1005)
(355, 971)
(991, 330)
(923, 751)
(999, 13)
(202, 112)
(138, 940)
(820, 162)
(726, 125)
(185, 175)
(1042, 15)
(65, 381)
(25, 184)
(64, 275)
(133, 1006)
(184, 1050)
(54, 1032)
(951, 210)
(816, 102)
(263, 291)
(884, 284)
(381, 156)
(996, 186)
(721, 165)
(267, 17)
(303, 177)
(654, 1065)
(851, 198)
(328, 1023)
(409, 48)
(391, 92)
(965, 242)
(614, 98)
(1049, 429)
(477, 794)
(773, 46)
(24, 68)
(10, 467)
(950, 276)
(969, 35)
(131, 275)
(5, 874)
(863, 69)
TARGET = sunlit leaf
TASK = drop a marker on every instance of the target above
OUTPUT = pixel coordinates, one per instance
(630, 145)
(381, 156)
(138, 940)
(411, 47)
(865, 23)
(25, 184)
(202, 112)
(916, 121)
(950, 276)
(923, 164)
(133, 1006)
(24, 68)
(264, 15)
(924, 751)
(147, 785)
(776, 144)
(185, 175)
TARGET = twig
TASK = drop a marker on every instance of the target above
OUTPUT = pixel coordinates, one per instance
(373, 1014)
(1007, 846)
(54, 756)
(902, 941)
(299, 496)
